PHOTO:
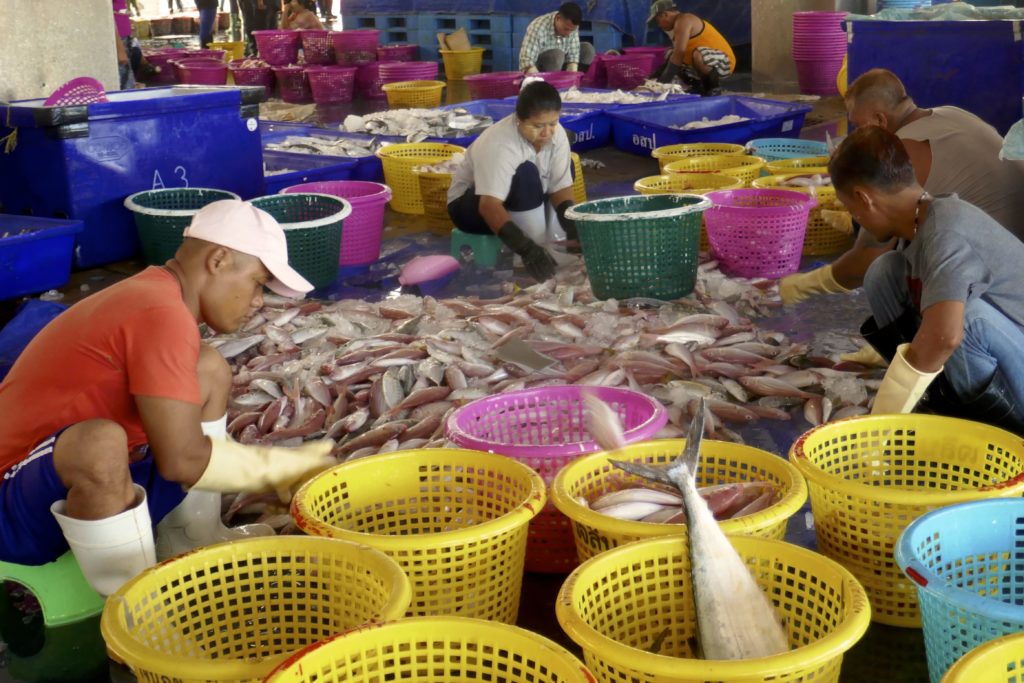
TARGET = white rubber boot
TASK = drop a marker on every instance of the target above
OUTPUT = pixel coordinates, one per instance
(113, 550)
(533, 223)
(195, 522)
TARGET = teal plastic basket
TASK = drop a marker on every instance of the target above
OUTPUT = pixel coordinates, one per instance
(968, 563)
(161, 217)
(641, 246)
(312, 225)
(777, 149)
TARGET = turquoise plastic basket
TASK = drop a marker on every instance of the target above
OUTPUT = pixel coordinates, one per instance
(777, 149)
(968, 563)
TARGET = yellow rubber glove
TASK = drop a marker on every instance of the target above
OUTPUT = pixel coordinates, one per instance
(572, 66)
(237, 467)
(903, 385)
(800, 286)
(841, 221)
(866, 356)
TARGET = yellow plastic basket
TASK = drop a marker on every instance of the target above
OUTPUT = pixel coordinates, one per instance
(670, 153)
(234, 611)
(579, 185)
(414, 94)
(869, 477)
(616, 605)
(721, 463)
(455, 520)
(435, 650)
(461, 63)
(232, 49)
(399, 160)
(997, 661)
(801, 165)
(746, 168)
(688, 183)
(434, 193)
(821, 237)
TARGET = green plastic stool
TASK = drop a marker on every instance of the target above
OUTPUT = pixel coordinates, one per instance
(485, 247)
(63, 593)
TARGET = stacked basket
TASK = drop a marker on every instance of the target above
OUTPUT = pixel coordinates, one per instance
(625, 72)
(400, 160)
(819, 45)
(278, 48)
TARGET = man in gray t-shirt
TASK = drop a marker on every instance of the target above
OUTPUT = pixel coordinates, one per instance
(947, 300)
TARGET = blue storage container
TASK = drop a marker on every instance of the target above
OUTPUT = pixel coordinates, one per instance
(641, 129)
(601, 35)
(365, 168)
(983, 75)
(590, 124)
(434, 23)
(35, 253)
(303, 168)
(81, 162)
(500, 59)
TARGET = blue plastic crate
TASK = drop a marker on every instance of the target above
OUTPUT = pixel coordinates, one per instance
(501, 59)
(641, 129)
(365, 168)
(35, 253)
(434, 23)
(303, 168)
(381, 22)
(590, 125)
(519, 26)
(601, 35)
(80, 162)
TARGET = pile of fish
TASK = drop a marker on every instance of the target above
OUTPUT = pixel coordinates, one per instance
(447, 166)
(815, 180)
(654, 86)
(418, 124)
(612, 97)
(659, 504)
(378, 377)
(251, 63)
(711, 123)
(327, 146)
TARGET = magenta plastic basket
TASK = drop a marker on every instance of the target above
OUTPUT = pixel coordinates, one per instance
(655, 55)
(368, 81)
(758, 233)
(545, 429)
(331, 84)
(398, 53)
(252, 75)
(360, 240)
(161, 60)
(561, 80)
(200, 71)
(355, 47)
(81, 90)
(494, 86)
(207, 53)
(278, 48)
(292, 84)
(818, 76)
(395, 72)
(626, 72)
(317, 46)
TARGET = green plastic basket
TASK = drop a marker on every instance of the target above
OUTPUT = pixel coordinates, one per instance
(161, 217)
(312, 225)
(641, 246)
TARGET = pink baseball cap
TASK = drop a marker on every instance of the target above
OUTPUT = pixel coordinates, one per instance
(241, 226)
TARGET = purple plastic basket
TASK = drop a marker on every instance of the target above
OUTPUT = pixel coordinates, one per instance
(818, 76)
(200, 71)
(360, 240)
(252, 75)
(368, 81)
(278, 48)
(626, 72)
(561, 80)
(292, 84)
(355, 47)
(317, 46)
(81, 90)
(493, 86)
(758, 233)
(655, 55)
(395, 72)
(331, 84)
(398, 53)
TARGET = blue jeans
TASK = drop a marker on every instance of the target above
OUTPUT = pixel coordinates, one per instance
(986, 372)
(207, 19)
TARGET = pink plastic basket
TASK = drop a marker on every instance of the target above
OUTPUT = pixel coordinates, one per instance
(252, 75)
(317, 46)
(545, 429)
(818, 76)
(626, 72)
(561, 80)
(497, 85)
(161, 60)
(395, 72)
(278, 48)
(655, 55)
(398, 53)
(200, 71)
(207, 53)
(355, 47)
(331, 84)
(81, 90)
(368, 81)
(360, 240)
(758, 233)
(292, 84)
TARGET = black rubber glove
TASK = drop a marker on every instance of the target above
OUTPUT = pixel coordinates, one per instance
(669, 72)
(537, 260)
(568, 224)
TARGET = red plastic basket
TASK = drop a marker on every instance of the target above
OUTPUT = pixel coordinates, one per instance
(292, 84)
(497, 85)
(545, 429)
(278, 48)
(360, 240)
(368, 81)
(355, 47)
(561, 80)
(398, 53)
(317, 46)
(200, 71)
(252, 75)
(331, 84)
(396, 72)
(758, 233)
(81, 90)
(626, 72)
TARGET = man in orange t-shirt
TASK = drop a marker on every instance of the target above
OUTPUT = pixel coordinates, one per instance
(102, 417)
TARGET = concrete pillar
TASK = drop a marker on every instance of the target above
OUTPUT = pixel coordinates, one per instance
(48, 42)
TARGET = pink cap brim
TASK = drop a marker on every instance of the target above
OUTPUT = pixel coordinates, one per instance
(287, 281)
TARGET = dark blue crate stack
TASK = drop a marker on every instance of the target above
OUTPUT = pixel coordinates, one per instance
(601, 35)
(394, 28)
(493, 32)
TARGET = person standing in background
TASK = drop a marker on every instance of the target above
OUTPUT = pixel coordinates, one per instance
(123, 33)
(207, 21)
(257, 15)
(170, 6)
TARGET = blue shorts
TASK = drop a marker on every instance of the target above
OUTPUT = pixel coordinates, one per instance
(29, 533)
